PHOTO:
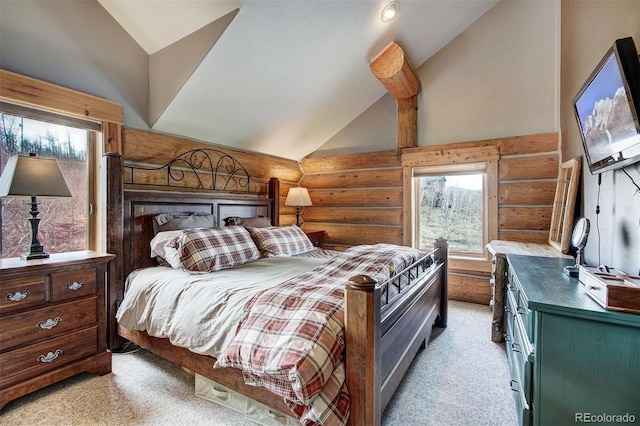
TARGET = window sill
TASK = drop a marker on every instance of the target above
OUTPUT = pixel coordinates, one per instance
(469, 264)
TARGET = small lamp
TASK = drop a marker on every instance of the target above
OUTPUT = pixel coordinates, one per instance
(298, 197)
(31, 176)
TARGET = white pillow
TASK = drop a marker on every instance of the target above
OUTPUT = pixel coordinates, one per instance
(159, 242)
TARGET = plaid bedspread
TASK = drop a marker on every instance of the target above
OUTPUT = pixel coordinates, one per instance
(291, 339)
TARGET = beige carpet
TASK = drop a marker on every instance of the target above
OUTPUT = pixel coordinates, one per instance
(460, 379)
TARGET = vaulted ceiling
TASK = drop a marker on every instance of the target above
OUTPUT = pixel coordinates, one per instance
(280, 77)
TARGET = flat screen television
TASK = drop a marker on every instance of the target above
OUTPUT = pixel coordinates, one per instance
(607, 109)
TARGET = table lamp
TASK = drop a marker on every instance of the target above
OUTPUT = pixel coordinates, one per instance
(298, 197)
(31, 176)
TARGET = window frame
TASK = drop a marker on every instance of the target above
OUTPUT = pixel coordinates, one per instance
(93, 152)
(451, 169)
(453, 158)
(39, 95)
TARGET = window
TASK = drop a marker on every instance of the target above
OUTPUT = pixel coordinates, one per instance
(452, 193)
(64, 224)
(451, 205)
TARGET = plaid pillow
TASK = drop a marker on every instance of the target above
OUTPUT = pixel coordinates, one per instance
(212, 249)
(277, 241)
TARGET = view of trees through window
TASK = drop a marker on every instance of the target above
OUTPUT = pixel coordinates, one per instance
(451, 207)
(63, 221)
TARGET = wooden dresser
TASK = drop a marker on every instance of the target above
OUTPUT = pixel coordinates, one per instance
(571, 360)
(52, 320)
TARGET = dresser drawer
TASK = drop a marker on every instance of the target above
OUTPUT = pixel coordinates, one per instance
(72, 284)
(22, 293)
(25, 327)
(31, 361)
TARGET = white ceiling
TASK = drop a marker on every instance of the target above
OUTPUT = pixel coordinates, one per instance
(286, 75)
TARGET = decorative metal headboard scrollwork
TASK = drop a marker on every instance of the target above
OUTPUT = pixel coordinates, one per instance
(205, 169)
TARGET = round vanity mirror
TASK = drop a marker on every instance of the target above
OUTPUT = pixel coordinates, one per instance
(580, 233)
(578, 240)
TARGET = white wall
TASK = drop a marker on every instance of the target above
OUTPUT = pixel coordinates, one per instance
(588, 30)
(498, 78)
(76, 44)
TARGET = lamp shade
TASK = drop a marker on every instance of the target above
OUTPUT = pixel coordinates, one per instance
(28, 175)
(298, 197)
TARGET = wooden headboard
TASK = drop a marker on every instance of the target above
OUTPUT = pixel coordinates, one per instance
(141, 207)
(135, 209)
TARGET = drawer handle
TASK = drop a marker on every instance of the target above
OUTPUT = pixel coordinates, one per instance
(76, 285)
(50, 357)
(593, 287)
(48, 324)
(17, 296)
(511, 385)
(220, 394)
(521, 310)
(278, 418)
(515, 346)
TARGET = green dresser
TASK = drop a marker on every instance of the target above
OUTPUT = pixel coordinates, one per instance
(571, 360)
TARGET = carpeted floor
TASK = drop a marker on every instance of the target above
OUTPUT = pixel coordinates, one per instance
(461, 378)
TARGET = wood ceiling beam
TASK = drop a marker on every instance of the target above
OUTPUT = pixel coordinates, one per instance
(393, 69)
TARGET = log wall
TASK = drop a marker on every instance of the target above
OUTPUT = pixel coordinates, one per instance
(358, 199)
(145, 148)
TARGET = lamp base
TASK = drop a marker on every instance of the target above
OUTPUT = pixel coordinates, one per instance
(35, 249)
(35, 252)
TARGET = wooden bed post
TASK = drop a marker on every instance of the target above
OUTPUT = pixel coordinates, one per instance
(441, 256)
(115, 230)
(362, 338)
(274, 194)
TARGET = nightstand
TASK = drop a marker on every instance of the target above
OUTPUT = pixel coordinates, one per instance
(316, 237)
(53, 321)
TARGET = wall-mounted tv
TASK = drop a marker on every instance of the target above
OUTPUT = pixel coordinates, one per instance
(607, 109)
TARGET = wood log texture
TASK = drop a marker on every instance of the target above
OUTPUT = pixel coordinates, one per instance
(541, 237)
(393, 69)
(469, 288)
(536, 167)
(534, 192)
(408, 122)
(358, 198)
(144, 147)
(28, 91)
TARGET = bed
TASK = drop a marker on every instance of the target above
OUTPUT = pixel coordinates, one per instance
(383, 325)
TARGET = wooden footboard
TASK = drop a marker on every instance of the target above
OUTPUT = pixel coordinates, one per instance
(378, 353)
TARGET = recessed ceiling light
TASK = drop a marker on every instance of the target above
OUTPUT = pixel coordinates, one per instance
(389, 12)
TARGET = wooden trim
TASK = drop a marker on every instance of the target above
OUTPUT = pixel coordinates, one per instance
(112, 138)
(564, 204)
(445, 155)
(16, 88)
(114, 243)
